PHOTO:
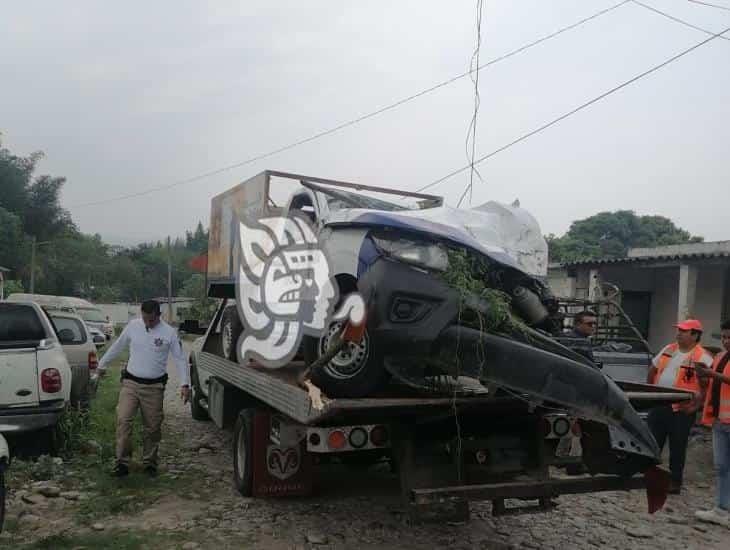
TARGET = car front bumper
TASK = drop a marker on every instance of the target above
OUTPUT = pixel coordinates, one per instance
(413, 320)
(28, 419)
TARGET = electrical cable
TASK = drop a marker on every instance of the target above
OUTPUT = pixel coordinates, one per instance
(676, 19)
(710, 5)
(570, 113)
(477, 101)
(353, 121)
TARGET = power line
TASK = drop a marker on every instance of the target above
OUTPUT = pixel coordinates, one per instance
(677, 19)
(576, 110)
(353, 121)
(710, 5)
(477, 101)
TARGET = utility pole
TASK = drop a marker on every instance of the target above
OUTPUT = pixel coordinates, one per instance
(32, 265)
(169, 281)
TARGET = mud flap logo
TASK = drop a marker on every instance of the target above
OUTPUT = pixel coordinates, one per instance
(285, 289)
(282, 463)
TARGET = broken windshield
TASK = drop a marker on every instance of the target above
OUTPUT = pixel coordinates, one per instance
(339, 200)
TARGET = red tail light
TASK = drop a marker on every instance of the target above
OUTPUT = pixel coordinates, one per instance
(51, 381)
(379, 436)
(93, 360)
(336, 440)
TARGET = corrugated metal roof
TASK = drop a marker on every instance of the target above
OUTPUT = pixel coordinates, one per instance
(657, 258)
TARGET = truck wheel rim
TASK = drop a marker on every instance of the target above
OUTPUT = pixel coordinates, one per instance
(351, 360)
(241, 455)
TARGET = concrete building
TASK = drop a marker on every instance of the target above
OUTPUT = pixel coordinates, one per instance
(659, 286)
(122, 313)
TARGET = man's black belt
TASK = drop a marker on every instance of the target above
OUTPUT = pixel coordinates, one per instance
(147, 381)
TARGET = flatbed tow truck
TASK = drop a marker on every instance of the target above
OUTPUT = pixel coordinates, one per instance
(472, 442)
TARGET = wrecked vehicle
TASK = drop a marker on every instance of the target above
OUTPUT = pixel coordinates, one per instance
(460, 328)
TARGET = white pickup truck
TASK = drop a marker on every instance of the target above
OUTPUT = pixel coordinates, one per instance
(35, 377)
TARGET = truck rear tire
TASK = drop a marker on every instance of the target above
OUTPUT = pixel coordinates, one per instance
(231, 329)
(196, 410)
(243, 453)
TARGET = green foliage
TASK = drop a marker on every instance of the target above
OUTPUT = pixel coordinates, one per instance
(467, 275)
(204, 308)
(611, 234)
(13, 242)
(12, 287)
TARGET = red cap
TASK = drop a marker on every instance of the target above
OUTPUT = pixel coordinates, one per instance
(690, 324)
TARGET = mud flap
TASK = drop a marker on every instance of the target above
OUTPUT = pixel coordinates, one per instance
(657, 488)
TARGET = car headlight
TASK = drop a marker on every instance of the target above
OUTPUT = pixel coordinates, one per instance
(427, 255)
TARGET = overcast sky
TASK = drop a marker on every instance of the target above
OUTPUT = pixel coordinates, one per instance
(125, 96)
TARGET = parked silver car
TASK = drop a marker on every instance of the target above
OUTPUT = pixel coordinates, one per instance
(78, 345)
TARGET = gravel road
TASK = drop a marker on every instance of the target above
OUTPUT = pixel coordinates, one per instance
(362, 510)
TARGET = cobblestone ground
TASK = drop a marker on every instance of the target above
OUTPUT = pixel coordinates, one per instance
(362, 510)
(365, 512)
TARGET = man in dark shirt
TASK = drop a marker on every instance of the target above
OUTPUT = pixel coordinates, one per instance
(584, 326)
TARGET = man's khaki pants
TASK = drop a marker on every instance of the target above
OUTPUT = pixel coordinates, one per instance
(148, 398)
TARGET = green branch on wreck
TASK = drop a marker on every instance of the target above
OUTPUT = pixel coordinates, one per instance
(467, 275)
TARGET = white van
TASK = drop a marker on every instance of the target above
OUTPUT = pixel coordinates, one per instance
(91, 314)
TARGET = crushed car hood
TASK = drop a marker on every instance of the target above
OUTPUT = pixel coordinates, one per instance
(506, 233)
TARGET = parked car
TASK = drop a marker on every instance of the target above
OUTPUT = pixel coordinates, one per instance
(78, 345)
(35, 377)
(97, 337)
(94, 318)
(91, 314)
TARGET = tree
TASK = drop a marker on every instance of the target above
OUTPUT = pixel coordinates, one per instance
(43, 216)
(12, 240)
(611, 234)
(204, 308)
(15, 177)
(12, 287)
(198, 241)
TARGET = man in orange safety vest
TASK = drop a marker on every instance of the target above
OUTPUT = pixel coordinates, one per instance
(675, 367)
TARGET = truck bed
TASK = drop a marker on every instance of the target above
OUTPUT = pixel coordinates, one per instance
(278, 389)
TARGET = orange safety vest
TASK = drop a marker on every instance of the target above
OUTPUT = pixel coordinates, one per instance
(724, 413)
(686, 379)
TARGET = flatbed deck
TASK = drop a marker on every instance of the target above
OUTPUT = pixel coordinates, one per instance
(278, 389)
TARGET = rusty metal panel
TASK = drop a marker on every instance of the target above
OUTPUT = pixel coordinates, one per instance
(247, 198)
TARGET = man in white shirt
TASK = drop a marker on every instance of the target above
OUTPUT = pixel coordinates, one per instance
(150, 341)
(674, 367)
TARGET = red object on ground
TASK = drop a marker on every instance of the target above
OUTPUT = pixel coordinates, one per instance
(199, 263)
(657, 488)
(283, 469)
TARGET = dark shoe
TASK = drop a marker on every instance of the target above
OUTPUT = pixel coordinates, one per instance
(151, 471)
(675, 488)
(120, 470)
